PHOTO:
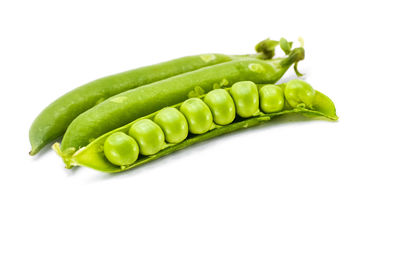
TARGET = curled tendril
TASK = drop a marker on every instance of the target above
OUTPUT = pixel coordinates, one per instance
(299, 74)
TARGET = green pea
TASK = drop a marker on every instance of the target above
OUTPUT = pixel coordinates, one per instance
(173, 124)
(271, 98)
(198, 115)
(245, 95)
(221, 105)
(299, 92)
(149, 136)
(121, 149)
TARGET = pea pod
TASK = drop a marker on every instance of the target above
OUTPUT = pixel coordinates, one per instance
(128, 106)
(55, 118)
(93, 156)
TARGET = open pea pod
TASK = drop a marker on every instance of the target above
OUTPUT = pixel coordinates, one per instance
(293, 97)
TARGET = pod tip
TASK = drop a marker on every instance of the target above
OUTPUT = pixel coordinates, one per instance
(33, 152)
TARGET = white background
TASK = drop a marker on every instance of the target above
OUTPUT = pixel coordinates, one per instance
(294, 192)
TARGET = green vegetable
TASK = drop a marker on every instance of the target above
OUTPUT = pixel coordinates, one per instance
(128, 106)
(52, 122)
(173, 124)
(121, 149)
(245, 95)
(271, 98)
(54, 119)
(198, 115)
(221, 105)
(93, 156)
(149, 136)
(299, 92)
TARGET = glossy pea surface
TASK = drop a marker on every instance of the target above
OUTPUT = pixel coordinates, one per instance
(271, 98)
(149, 136)
(245, 95)
(173, 123)
(198, 115)
(121, 149)
(299, 92)
(221, 105)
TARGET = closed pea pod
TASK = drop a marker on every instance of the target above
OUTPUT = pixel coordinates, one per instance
(198, 115)
(173, 123)
(149, 136)
(221, 105)
(55, 118)
(245, 95)
(271, 98)
(121, 149)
